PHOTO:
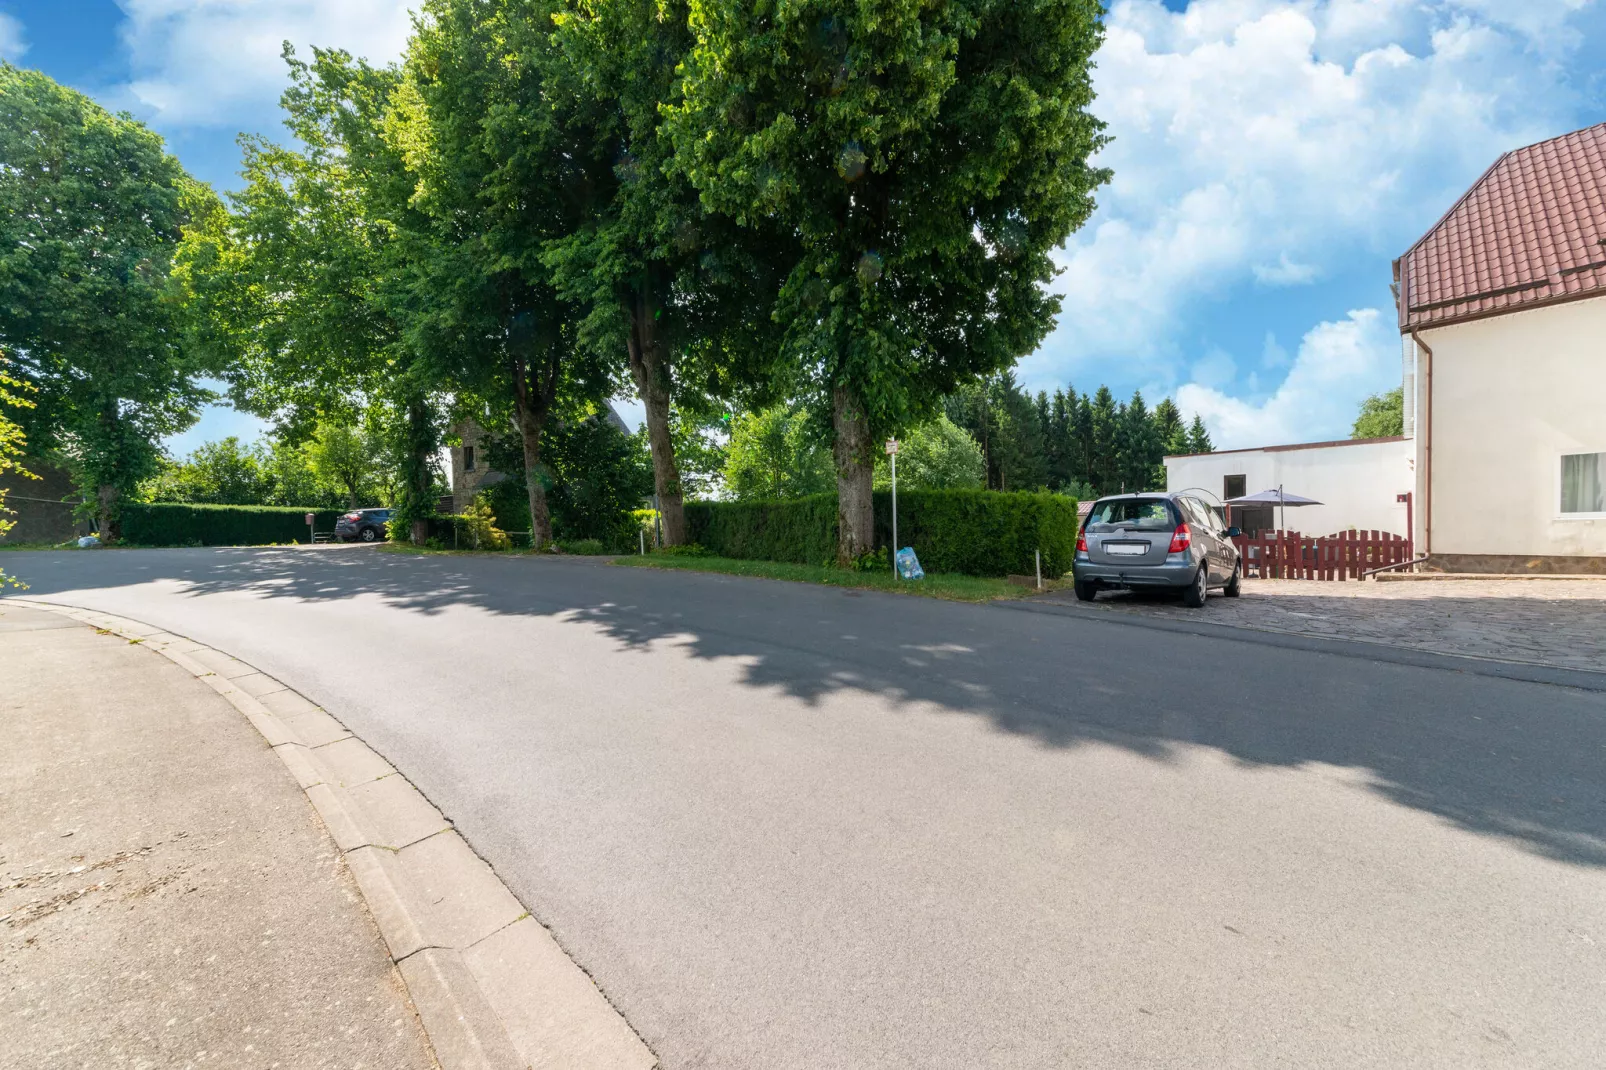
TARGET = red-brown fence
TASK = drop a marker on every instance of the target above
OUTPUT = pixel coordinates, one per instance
(1288, 555)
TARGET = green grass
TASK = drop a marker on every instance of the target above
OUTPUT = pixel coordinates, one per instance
(953, 588)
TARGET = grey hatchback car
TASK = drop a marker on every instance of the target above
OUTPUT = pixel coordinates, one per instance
(1158, 540)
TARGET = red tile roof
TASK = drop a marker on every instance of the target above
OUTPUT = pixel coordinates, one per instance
(1531, 231)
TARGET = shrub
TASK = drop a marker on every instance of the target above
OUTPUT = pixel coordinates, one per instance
(167, 524)
(583, 547)
(690, 549)
(972, 532)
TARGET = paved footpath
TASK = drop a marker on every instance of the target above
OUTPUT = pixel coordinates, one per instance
(167, 896)
(1553, 622)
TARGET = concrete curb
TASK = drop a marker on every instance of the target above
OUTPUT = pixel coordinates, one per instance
(492, 987)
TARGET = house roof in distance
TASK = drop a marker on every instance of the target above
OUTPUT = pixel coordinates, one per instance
(1293, 446)
(1531, 231)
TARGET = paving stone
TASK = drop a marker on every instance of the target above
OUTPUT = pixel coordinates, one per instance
(396, 812)
(463, 899)
(257, 684)
(350, 762)
(1558, 623)
(554, 1013)
(314, 727)
(287, 703)
(225, 666)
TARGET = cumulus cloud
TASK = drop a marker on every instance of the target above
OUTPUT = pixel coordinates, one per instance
(200, 62)
(13, 43)
(1262, 144)
(1336, 368)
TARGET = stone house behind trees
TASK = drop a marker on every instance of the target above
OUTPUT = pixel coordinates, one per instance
(471, 473)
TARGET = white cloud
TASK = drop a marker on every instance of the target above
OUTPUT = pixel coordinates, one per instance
(1286, 272)
(13, 43)
(200, 62)
(1271, 144)
(1337, 366)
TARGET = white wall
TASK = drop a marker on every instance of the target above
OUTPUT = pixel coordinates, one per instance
(1510, 395)
(1356, 484)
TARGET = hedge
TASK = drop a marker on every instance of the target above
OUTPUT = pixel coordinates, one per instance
(169, 524)
(971, 532)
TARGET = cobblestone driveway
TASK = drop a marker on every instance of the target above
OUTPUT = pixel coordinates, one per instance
(1560, 623)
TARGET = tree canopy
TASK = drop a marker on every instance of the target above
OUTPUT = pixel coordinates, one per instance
(923, 160)
(1381, 415)
(92, 210)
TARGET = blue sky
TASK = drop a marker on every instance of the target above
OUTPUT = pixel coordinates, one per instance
(1270, 160)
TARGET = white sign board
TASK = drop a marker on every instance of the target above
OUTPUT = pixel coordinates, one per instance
(892, 447)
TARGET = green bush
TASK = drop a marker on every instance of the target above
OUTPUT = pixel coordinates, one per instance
(167, 524)
(971, 532)
(583, 547)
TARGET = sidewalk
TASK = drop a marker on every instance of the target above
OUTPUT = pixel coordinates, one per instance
(1559, 623)
(167, 896)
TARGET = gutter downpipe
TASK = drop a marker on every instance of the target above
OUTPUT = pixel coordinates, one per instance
(1427, 440)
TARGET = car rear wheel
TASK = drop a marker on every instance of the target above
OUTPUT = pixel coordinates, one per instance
(1086, 592)
(369, 535)
(1233, 588)
(1194, 596)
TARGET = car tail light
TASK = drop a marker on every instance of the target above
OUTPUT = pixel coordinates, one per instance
(1181, 539)
(1081, 542)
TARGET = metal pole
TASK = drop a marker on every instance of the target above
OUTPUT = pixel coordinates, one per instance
(894, 514)
(643, 533)
(1038, 553)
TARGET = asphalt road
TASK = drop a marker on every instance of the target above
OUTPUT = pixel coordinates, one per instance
(795, 827)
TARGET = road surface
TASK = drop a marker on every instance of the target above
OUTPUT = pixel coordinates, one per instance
(794, 827)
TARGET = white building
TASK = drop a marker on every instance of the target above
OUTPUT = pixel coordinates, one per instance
(1502, 309)
(1358, 482)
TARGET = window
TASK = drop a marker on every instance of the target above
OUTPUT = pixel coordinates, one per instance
(468, 458)
(1583, 484)
(1234, 487)
(1137, 514)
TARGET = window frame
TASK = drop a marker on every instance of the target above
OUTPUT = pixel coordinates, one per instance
(1560, 459)
(468, 459)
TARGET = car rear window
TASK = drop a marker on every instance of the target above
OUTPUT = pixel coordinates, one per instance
(1138, 514)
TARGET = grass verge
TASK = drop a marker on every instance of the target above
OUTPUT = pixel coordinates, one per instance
(953, 588)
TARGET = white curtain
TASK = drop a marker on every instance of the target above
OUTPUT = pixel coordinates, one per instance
(1583, 483)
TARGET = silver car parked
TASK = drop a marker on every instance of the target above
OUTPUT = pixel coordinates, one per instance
(1157, 540)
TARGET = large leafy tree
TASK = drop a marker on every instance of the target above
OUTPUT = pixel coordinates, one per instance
(926, 155)
(303, 292)
(91, 211)
(1381, 415)
(679, 290)
(498, 175)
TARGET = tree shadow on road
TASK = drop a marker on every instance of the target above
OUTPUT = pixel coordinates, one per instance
(1515, 760)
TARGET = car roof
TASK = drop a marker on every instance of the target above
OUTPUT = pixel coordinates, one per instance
(1150, 494)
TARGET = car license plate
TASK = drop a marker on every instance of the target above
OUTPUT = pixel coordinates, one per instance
(1127, 549)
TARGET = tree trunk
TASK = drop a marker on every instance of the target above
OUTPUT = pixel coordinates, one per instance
(650, 365)
(532, 420)
(422, 440)
(855, 473)
(111, 524)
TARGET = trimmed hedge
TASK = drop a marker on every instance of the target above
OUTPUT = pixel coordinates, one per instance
(971, 532)
(171, 524)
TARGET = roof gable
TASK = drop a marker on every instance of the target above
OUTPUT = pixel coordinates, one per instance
(1531, 231)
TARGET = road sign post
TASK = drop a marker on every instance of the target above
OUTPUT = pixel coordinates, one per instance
(312, 533)
(892, 453)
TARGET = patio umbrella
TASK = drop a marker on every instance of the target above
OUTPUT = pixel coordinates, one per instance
(1278, 497)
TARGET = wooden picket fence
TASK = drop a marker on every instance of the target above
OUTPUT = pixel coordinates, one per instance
(1288, 555)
